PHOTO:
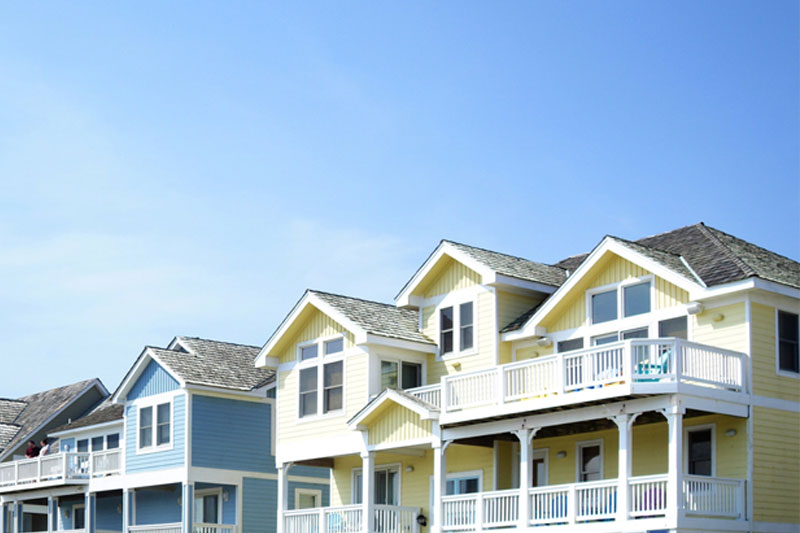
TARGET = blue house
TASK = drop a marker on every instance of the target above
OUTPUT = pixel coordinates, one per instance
(185, 444)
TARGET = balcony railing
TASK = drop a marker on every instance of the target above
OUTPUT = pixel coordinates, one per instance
(348, 519)
(591, 502)
(65, 467)
(639, 363)
(174, 527)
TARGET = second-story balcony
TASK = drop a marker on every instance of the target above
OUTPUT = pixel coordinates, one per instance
(59, 469)
(630, 367)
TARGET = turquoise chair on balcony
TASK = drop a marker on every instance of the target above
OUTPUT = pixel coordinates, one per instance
(658, 368)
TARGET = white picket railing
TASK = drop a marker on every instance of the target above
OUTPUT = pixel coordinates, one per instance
(156, 528)
(213, 528)
(596, 500)
(713, 496)
(431, 394)
(648, 495)
(348, 519)
(637, 361)
(107, 462)
(62, 466)
(394, 519)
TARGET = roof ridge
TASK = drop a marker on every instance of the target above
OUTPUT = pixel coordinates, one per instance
(501, 253)
(659, 250)
(670, 231)
(712, 229)
(392, 306)
(218, 342)
(747, 269)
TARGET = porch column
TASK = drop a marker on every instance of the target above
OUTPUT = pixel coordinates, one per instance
(126, 510)
(89, 512)
(3, 517)
(439, 485)
(18, 517)
(52, 524)
(283, 493)
(525, 437)
(368, 491)
(624, 423)
(187, 512)
(674, 416)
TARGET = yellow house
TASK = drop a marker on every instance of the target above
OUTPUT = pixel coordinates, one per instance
(648, 385)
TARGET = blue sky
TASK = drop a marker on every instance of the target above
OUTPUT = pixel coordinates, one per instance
(190, 168)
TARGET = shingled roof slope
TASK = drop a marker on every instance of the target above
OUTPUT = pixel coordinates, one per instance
(512, 266)
(378, 318)
(215, 363)
(103, 413)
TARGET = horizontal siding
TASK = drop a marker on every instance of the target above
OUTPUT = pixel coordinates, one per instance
(776, 465)
(106, 512)
(228, 507)
(313, 324)
(766, 380)
(324, 488)
(158, 506)
(729, 333)
(531, 352)
(397, 424)
(259, 505)
(220, 427)
(156, 460)
(154, 380)
(449, 276)
(511, 306)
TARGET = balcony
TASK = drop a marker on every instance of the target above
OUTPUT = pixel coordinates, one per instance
(176, 527)
(348, 519)
(59, 469)
(634, 366)
(593, 502)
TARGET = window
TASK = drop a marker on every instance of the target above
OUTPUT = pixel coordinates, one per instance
(321, 388)
(79, 516)
(788, 357)
(572, 344)
(207, 507)
(590, 461)
(639, 333)
(465, 326)
(112, 441)
(636, 299)
(462, 485)
(387, 480)
(700, 452)
(164, 432)
(154, 433)
(400, 375)
(307, 498)
(604, 306)
(97, 444)
(674, 327)
(83, 445)
(145, 427)
(604, 339)
(446, 330)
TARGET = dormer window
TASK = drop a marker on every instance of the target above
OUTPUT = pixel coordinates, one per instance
(321, 388)
(630, 298)
(446, 330)
(456, 328)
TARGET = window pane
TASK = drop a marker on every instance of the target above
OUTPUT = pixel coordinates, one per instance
(700, 452)
(637, 299)
(674, 327)
(334, 346)
(412, 375)
(788, 357)
(83, 445)
(357, 493)
(446, 318)
(572, 344)
(446, 342)
(590, 463)
(146, 417)
(605, 339)
(145, 437)
(466, 330)
(446, 330)
(112, 441)
(640, 333)
(163, 434)
(210, 509)
(333, 399)
(308, 403)
(308, 379)
(465, 314)
(97, 444)
(332, 380)
(308, 352)
(388, 375)
(333, 374)
(163, 413)
(308, 391)
(604, 306)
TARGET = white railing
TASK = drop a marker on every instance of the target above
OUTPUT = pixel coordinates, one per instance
(481, 510)
(156, 528)
(62, 466)
(107, 462)
(348, 519)
(213, 528)
(633, 361)
(74, 531)
(713, 496)
(596, 500)
(551, 505)
(394, 519)
(648, 495)
(431, 394)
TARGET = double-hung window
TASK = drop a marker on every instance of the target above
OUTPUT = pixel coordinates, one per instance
(456, 328)
(321, 378)
(788, 356)
(155, 426)
(590, 461)
(400, 375)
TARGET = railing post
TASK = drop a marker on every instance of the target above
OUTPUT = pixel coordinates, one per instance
(627, 363)
(64, 472)
(479, 511)
(444, 395)
(501, 385)
(16, 472)
(322, 527)
(561, 371)
(742, 502)
(39, 468)
(572, 504)
(677, 353)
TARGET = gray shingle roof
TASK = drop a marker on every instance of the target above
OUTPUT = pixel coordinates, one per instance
(214, 363)
(103, 413)
(39, 408)
(512, 266)
(7, 432)
(667, 259)
(378, 318)
(10, 409)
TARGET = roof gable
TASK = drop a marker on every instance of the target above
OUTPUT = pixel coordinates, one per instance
(385, 401)
(154, 379)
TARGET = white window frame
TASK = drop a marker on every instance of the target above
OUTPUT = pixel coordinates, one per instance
(319, 363)
(154, 402)
(316, 493)
(399, 362)
(217, 491)
(541, 453)
(781, 372)
(78, 506)
(619, 287)
(456, 305)
(585, 444)
(701, 427)
(398, 467)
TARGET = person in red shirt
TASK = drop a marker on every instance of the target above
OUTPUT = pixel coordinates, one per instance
(33, 450)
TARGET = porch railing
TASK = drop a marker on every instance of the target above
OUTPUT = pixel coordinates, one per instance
(713, 496)
(62, 466)
(648, 496)
(430, 393)
(107, 462)
(634, 361)
(348, 519)
(213, 528)
(156, 528)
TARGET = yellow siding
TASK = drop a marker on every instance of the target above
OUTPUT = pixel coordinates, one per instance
(766, 380)
(313, 324)
(448, 276)
(570, 313)
(505, 458)
(511, 306)
(429, 325)
(531, 352)
(291, 428)
(729, 333)
(776, 465)
(485, 341)
(398, 424)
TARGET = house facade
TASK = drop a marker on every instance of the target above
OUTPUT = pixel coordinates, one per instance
(648, 385)
(185, 445)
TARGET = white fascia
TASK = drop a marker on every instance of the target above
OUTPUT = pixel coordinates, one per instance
(400, 343)
(745, 285)
(608, 244)
(390, 395)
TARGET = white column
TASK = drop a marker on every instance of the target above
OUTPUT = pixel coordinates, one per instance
(624, 423)
(525, 437)
(18, 518)
(3, 516)
(126, 512)
(89, 512)
(674, 416)
(368, 491)
(283, 493)
(51, 525)
(439, 485)
(187, 512)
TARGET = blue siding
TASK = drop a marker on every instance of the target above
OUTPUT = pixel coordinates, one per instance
(310, 471)
(157, 460)
(259, 505)
(154, 380)
(228, 507)
(231, 434)
(158, 506)
(66, 505)
(67, 445)
(315, 486)
(107, 515)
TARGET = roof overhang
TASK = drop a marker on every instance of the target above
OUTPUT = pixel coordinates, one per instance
(606, 246)
(363, 417)
(136, 370)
